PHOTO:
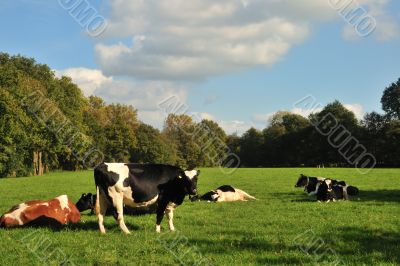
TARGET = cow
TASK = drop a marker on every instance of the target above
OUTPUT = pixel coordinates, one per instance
(141, 185)
(224, 193)
(88, 202)
(59, 210)
(330, 191)
(311, 184)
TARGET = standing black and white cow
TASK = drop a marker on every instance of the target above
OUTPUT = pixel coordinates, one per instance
(139, 185)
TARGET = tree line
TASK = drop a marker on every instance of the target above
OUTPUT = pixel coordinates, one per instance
(46, 123)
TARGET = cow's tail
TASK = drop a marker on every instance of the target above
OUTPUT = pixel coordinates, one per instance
(352, 191)
(97, 200)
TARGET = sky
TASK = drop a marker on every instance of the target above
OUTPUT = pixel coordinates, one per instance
(233, 61)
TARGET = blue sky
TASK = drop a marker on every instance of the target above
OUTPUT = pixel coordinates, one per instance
(212, 56)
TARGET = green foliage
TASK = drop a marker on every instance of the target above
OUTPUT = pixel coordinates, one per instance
(120, 132)
(391, 100)
(42, 114)
(152, 147)
(181, 131)
(251, 144)
(212, 140)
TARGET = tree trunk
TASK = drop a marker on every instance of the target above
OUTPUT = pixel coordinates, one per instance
(38, 168)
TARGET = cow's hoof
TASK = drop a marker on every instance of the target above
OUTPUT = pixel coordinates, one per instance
(158, 229)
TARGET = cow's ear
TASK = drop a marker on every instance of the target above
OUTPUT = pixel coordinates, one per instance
(83, 195)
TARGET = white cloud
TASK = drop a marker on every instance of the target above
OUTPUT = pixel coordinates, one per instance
(181, 40)
(89, 80)
(387, 29)
(235, 126)
(202, 116)
(357, 109)
(229, 126)
(193, 40)
(373, 10)
(262, 119)
(305, 112)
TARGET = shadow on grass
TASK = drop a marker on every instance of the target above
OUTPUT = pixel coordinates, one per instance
(277, 256)
(367, 246)
(45, 223)
(384, 195)
(299, 196)
(94, 226)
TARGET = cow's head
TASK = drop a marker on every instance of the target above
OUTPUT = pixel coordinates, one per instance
(86, 202)
(325, 189)
(302, 181)
(190, 181)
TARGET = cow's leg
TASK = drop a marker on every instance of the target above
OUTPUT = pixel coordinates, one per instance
(118, 201)
(170, 214)
(101, 209)
(162, 205)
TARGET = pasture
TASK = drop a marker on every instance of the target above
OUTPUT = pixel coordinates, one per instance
(283, 227)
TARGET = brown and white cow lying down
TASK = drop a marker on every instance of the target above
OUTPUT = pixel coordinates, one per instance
(60, 210)
(225, 193)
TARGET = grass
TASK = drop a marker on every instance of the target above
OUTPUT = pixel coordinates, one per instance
(283, 227)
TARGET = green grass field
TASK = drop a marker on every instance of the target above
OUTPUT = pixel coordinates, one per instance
(283, 227)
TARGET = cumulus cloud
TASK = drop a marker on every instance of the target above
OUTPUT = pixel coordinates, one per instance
(305, 112)
(357, 109)
(384, 26)
(89, 80)
(193, 40)
(181, 40)
(235, 126)
(262, 119)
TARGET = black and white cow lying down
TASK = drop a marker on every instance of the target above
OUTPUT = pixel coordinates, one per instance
(140, 185)
(224, 193)
(326, 189)
(88, 202)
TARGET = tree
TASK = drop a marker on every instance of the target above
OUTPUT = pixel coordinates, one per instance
(374, 128)
(392, 146)
(251, 148)
(120, 131)
(212, 141)
(391, 100)
(283, 139)
(152, 147)
(182, 132)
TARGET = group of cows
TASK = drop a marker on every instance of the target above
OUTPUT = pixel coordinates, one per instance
(326, 189)
(124, 188)
(137, 189)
